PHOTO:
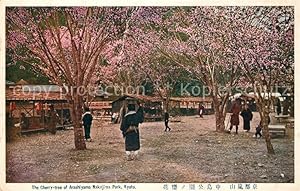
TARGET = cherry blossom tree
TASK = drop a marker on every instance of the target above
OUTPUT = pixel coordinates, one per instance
(225, 47)
(141, 57)
(194, 38)
(264, 51)
(69, 45)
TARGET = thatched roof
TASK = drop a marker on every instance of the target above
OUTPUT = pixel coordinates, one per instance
(141, 98)
(17, 94)
(22, 82)
(191, 99)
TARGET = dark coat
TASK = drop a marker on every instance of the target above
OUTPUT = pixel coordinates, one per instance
(132, 138)
(87, 118)
(278, 109)
(247, 116)
(166, 116)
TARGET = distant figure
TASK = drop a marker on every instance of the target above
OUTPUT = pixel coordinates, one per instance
(286, 106)
(258, 131)
(130, 131)
(201, 110)
(247, 117)
(67, 119)
(53, 119)
(278, 107)
(167, 121)
(24, 122)
(9, 127)
(234, 120)
(9, 121)
(87, 123)
(259, 128)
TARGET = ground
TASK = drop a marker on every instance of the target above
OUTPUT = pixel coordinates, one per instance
(191, 152)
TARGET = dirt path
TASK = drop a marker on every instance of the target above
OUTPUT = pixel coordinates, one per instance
(190, 152)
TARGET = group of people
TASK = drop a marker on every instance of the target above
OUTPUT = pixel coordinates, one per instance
(247, 116)
(134, 116)
(245, 112)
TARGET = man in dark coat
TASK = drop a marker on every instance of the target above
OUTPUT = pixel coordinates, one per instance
(286, 106)
(278, 107)
(167, 121)
(201, 110)
(247, 117)
(87, 123)
(130, 131)
(234, 120)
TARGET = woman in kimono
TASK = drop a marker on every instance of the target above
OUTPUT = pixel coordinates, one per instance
(234, 120)
(130, 131)
(247, 117)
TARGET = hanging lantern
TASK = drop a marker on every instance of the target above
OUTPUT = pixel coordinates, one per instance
(38, 106)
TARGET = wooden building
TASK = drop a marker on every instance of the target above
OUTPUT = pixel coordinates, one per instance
(190, 105)
(34, 102)
(153, 106)
(101, 108)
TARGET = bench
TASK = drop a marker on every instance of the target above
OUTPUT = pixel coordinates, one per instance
(281, 117)
(276, 130)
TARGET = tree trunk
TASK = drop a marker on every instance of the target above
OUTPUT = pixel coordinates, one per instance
(220, 116)
(166, 103)
(220, 119)
(76, 117)
(265, 129)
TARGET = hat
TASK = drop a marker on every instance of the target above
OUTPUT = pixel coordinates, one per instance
(131, 100)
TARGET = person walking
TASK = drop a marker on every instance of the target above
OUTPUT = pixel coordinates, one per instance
(130, 131)
(87, 123)
(234, 120)
(166, 117)
(201, 110)
(53, 119)
(247, 117)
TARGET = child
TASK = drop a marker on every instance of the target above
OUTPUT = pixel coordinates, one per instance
(259, 128)
(167, 121)
(258, 131)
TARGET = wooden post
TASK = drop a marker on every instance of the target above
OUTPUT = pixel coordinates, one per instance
(33, 109)
(62, 115)
(33, 119)
(43, 114)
